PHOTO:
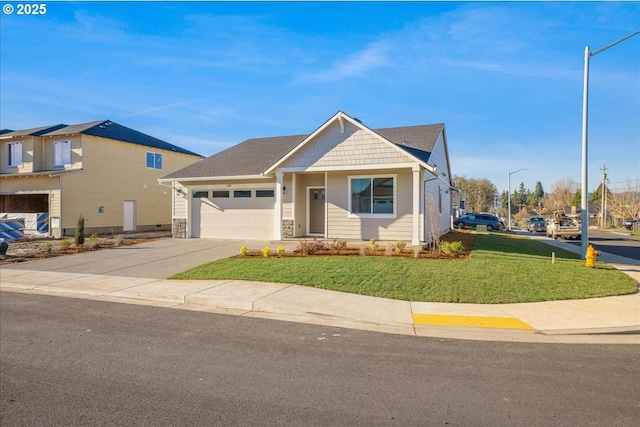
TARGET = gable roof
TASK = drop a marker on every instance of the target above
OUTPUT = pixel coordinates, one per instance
(112, 130)
(251, 157)
(39, 131)
(257, 156)
(104, 129)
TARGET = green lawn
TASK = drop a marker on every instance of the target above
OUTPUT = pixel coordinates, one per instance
(501, 269)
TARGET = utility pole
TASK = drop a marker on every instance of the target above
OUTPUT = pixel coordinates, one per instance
(603, 207)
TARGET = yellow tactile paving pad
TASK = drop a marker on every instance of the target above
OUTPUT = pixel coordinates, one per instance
(470, 321)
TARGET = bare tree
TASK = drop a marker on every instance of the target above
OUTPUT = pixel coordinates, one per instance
(562, 192)
(625, 204)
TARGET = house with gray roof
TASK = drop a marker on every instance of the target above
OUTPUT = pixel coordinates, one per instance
(342, 181)
(102, 170)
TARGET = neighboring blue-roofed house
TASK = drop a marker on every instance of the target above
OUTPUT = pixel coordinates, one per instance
(102, 170)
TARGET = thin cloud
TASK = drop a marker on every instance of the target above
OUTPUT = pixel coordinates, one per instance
(359, 63)
(154, 109)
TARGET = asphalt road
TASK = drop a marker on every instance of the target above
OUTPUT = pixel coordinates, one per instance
(66, 361)
(617, 244)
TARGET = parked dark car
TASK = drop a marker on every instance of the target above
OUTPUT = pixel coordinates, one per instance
(472, 220)
(628, 223)
(537, 223)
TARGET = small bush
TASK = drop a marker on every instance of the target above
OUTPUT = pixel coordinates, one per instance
(373, 244)
(46, 247)
(337, 246)
(451, 247)
(399, 246)
(281, 251)
(79, 237)
(117, 242)
(94, 241)
(65, 244)
(306, 247)
(266, 251)
(244, 251)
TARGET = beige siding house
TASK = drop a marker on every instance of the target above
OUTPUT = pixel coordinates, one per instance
(343, 181)
(102, 170)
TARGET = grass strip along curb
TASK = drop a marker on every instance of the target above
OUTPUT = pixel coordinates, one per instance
(501, 269)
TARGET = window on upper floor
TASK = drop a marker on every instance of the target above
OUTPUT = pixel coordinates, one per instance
(14, 154)
(61, 153)
(154, 160)
(373, 196)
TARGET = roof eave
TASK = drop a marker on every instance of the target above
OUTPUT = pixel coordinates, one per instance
(213, 178)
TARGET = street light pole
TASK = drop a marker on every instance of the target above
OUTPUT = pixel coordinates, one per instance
(509, 195)
(584, 206)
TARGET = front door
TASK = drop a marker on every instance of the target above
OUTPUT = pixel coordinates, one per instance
(315, 204)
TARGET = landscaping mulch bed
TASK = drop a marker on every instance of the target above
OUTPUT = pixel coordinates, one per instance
(466, 238)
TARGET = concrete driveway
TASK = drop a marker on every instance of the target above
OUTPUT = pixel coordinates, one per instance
(157, 259)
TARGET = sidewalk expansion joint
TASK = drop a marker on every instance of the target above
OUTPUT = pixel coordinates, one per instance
(470, 321)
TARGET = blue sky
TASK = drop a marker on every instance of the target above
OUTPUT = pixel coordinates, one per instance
(506, 78)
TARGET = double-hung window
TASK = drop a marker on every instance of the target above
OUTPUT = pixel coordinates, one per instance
(61, 153)
(373, 196)
(14, 154)
(154, 160)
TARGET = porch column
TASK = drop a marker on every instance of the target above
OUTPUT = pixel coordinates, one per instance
(278, 207)
(417, 182)
(189, 226)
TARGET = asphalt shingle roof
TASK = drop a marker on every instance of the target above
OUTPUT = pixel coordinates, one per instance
(39, 131)
(254, 156)
(104, 129)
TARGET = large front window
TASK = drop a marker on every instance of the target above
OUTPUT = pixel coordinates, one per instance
(14, 154)
(61, 153)
(372, 195)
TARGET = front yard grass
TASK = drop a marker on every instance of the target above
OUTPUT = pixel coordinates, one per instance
(501, 269)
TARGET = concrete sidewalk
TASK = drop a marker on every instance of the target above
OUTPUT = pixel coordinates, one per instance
(137, 275)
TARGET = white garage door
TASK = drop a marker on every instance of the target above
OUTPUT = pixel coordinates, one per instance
(233, 217)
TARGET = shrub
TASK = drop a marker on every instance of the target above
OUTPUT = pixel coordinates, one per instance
(79, 237)
(94, 241)
(266, 251)
(65, 244)
(399, 246)
(337, 246)
(451, 247)
(373, 244)
(118, 240)
(46, 247)
(306, 247)
(281, 251)
(244, 251)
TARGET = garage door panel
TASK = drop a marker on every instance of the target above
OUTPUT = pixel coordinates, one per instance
(234, 218)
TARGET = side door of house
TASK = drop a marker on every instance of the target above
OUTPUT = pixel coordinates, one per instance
(129, 209)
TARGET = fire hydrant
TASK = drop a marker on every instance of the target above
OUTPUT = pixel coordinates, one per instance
(590, 257)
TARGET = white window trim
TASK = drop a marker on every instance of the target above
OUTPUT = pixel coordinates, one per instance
(17, 164)
(350, 213)
(62, 163)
